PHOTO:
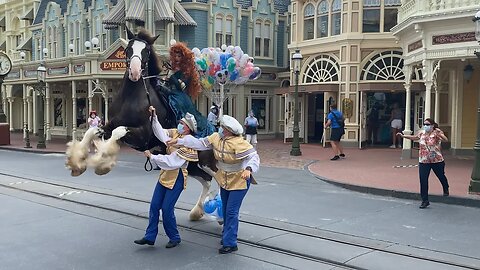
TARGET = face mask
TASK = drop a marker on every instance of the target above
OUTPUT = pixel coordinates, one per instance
(427, 128)
(250, 114)
(180, 128)
(220, 132)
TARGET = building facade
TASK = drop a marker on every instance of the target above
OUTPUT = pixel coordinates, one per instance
(375, 53)
(82, 42)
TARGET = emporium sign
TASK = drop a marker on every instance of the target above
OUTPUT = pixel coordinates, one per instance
(113, 65)
(453, 38)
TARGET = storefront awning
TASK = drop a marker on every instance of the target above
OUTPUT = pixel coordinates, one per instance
(163, 12)
(182, 17)
(26, 45)
(136, 11)
(28, 15)
(389, 86)
(330, 87)
(116, 15)
(2, 21)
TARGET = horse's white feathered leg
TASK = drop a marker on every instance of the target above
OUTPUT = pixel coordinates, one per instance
(77, 152)
(197, 211)
(106, 157)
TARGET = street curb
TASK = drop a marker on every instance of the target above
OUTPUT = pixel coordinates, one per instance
(403, 194)
(31, 150)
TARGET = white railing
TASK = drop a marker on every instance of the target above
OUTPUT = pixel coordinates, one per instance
(421, 7)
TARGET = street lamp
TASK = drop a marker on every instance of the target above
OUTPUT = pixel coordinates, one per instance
(25, 125)
(475, 180)
(40, 87)
(95, 43)
(296, 60)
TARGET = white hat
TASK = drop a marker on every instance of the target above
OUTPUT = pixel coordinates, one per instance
(213, 107)
(189, 119)
(231, 124)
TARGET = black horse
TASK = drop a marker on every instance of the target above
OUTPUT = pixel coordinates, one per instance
(142, 88)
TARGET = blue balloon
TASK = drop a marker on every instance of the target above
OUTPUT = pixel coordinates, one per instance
(210, 206)
(234, 75)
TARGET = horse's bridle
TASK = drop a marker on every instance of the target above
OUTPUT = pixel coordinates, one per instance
(143, 59)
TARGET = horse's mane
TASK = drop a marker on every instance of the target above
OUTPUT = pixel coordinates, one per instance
(187, 66)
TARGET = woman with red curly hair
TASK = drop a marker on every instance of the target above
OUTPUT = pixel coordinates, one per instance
(185, 86)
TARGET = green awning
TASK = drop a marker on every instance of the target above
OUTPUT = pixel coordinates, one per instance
(116, 15)
(163, 12)
(182, 17)
(136, 11)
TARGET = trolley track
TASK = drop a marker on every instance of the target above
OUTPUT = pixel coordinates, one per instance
(24, 183)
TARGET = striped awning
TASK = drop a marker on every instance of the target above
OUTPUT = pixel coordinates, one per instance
(26, 45)
(163, 11)
(136, 11)
(116, 15)
(182, 17)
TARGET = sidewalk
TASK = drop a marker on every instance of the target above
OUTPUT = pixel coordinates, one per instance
(377, 170)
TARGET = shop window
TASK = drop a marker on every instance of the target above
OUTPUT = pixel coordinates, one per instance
(371, 16)
(309, 22)
(322, 21)
(160, 31)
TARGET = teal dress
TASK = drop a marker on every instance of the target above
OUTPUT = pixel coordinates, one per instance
(181, 103)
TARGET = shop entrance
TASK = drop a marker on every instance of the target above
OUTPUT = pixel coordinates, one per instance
(379, 107)
(315, 117)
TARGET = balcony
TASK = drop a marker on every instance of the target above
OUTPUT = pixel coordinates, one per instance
(431, 8)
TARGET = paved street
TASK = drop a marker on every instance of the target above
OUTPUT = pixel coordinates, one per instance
(288, 200)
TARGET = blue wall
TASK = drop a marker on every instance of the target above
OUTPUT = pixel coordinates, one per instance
(281, 46)
(196, 36)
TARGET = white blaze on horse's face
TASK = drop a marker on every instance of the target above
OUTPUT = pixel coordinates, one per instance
(136, 61)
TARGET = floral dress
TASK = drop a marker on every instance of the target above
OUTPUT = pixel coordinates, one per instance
(430, 148)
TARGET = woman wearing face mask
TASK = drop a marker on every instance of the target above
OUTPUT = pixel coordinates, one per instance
(237, 159)
(430, 157)
(172, 180)
(251, 124)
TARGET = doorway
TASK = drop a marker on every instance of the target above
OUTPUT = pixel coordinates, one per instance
(315, 117)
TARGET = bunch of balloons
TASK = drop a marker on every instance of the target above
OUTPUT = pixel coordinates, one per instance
(213, 207)
(228, 65)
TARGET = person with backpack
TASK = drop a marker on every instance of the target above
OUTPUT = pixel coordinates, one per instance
(336, 122)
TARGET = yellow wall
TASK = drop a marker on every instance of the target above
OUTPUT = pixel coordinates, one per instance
(471, 91)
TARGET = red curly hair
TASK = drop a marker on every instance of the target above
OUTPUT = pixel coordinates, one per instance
(187, 66)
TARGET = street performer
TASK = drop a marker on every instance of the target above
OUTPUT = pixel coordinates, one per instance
(237, 159)
(172, 180)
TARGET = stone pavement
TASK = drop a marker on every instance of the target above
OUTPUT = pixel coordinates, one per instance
(375, 170)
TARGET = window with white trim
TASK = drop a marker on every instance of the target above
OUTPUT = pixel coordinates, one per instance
(336, 18)
(309, 22)
(49, 40)
(160, 31)
(228, 30)
(53, 53)
(263, 37)
(322, 19)
(224, 30)
(218, 31)
(71, 37)
(390, 14)
(371, 16)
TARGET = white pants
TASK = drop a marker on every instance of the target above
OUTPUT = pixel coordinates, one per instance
(252, 139)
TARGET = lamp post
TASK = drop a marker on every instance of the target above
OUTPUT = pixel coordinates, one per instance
(40, 87)
(475, 179)
(296, 60)
(25, 124)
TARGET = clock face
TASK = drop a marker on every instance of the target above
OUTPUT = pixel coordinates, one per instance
(5, 64)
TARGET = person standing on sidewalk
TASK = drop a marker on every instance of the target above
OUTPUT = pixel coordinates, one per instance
(430, 157)
(237, 159)
(94, 120)
(336, 122)
(396, 124)
(251, 125)
(172, 180)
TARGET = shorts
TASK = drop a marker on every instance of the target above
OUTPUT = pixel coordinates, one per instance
(397, 124)
(336, 134)
(251, 138)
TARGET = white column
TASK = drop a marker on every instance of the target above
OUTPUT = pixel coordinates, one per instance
(74, 109)
(428, 99)
(105, 98)
(25, 110)
(10, 112)
(437, 103)
(47, 114)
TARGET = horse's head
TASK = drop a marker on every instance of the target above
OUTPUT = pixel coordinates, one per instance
(138, 52)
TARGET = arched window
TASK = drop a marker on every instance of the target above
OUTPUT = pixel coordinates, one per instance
(336, 17)
(385, 66)
(49, 40)
(309, 22)
(322, 19)
(371, 16)
(55, 43)
(322, 68)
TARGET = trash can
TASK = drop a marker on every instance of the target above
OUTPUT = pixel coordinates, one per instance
(4, 134)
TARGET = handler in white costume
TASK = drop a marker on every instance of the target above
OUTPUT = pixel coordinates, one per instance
(172, 180)
(237, 159)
